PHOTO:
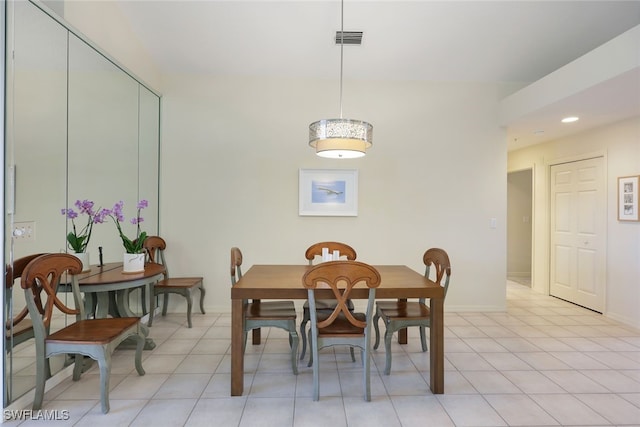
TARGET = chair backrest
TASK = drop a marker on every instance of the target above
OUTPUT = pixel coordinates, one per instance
(154, 247)
(440, 260)
(341, 276)
(236, 265)
(316, 250)
(11, 274)
(40, 280)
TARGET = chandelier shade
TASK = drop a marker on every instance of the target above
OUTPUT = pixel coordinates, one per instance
(340, 138)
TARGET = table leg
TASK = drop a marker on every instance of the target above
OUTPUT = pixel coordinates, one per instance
(113, 305)
(255, 336)
(122, 304)
(102, 307)
(255, 333)
(237, 348)
(402, 333)
(436, 341)
(90, 305)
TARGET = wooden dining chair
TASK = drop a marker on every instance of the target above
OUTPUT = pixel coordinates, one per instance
(261, 314)
(95, 338)
(398, 315)
(311, 253)
(155, 247)
(20, 328)
(341, 326)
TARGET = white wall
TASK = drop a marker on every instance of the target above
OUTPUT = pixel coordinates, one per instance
(620, 144)
(232, 147)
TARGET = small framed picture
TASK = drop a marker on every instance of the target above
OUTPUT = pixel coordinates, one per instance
(328, 192)
(628, 198)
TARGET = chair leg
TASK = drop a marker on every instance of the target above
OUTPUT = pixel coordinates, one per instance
(202, 292)
(138, 357)
(375, 326)
(387, 346)
(303, 332)
(367, 375)
(165, 303)
(78, 366)
(293, 336)
(189, 306)
(313, 353)
(423, 338)
(152, 309)
(47, 368)
(310, 364)
(105, 372)
(41, 379)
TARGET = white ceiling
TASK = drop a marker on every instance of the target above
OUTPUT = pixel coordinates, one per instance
(488, 41)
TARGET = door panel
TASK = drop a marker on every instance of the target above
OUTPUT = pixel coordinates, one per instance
(578, 233)
(563, 260)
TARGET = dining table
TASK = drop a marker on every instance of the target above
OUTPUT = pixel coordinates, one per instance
(285, 282)
(107, 287)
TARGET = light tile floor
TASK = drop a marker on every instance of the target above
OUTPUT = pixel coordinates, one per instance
(544, 362)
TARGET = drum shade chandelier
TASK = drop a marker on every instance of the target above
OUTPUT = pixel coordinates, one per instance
(340, 138)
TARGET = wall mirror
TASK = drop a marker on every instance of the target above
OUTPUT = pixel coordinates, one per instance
(79, 127)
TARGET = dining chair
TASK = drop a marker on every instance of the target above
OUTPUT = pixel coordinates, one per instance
(398, 315)
(311, 253)
(341, 326)
(155, 247)
(95, 338)
(20, 328)
(262, 314)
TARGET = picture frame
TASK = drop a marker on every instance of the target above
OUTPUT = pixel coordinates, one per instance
(328, 192)
(628, 198)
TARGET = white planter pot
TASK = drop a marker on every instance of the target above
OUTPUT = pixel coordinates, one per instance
(84, 258)
(133, 263)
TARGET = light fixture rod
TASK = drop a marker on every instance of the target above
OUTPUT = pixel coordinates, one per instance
(341, 49)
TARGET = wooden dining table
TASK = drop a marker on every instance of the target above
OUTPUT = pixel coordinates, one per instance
(285, 282)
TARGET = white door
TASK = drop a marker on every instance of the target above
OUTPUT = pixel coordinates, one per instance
(578, 227)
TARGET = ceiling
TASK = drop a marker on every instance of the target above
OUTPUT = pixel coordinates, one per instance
(486, 41)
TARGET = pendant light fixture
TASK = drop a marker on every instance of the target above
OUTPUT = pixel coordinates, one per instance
(340, 138)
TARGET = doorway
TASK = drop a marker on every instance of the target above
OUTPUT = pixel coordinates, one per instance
(519, 229)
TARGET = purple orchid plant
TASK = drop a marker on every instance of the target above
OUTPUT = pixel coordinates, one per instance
(78, 240)
(131, 246)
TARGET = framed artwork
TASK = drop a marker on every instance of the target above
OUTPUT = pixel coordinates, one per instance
(628, 198)
(328, 192)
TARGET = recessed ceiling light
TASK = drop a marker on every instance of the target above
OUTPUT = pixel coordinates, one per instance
(570, 119)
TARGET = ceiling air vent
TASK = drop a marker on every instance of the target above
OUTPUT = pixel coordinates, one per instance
(350, 37)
